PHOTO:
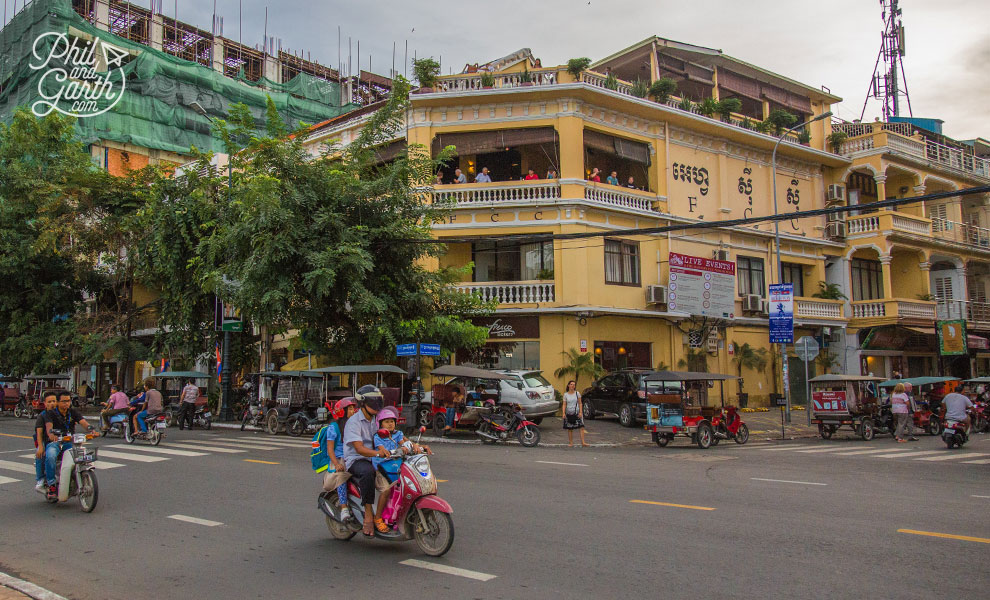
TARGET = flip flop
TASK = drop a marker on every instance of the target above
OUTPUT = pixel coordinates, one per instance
(365, 531)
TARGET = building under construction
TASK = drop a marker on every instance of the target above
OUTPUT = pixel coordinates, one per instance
(167, 67)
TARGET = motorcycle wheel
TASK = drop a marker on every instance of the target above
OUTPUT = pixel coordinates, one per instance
(866, 430)
(715, 432)
(742, 435)
(339, 531)
(156, 437)
(271, 422)
(295, 427)
(485, 427)
(89, 494)
(436, 536)
(704, 436)
(662, 440)
(439, 423)
(170, 417)
(529, 436)
(934, 426)
(208, 424)
(128, 436)
(18, 411)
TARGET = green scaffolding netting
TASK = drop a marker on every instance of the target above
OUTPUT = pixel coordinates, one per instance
(154, 110)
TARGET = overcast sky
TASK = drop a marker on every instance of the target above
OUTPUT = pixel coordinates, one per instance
(818, 43)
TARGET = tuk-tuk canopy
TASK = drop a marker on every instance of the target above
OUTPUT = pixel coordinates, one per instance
(355, 369)
(983, 379)
(10, 379)
(916, 381)
(288, 374)
(182, 375)
(686, 376)
(459, 371)
(832, 378)
(48, 377)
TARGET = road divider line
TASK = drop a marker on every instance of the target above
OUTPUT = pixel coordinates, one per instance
(955, 456)
(15, 466)
(550, 462)
(262, 462)
(671, 505)
(787, 481)
(860, 452)
(195, 521)
(129, 456)
(4, 480)
(447, 569)
(23, 437)
(948, 536)
(779, 448)
(985, 461)
(157, 450)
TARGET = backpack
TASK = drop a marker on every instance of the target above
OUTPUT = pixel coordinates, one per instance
(318, 455)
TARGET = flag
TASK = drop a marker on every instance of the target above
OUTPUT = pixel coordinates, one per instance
(165, 364)
(219, 363)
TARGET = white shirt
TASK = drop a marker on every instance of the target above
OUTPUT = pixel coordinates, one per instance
(955, 407)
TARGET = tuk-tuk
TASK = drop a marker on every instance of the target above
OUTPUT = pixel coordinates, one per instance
(33, 402)
(334, 390)
(838, 400)
(10, 395)
(981, 404)
(922, 414)
(677, 403)
(284, 393)
(170, 384)
(432, 409)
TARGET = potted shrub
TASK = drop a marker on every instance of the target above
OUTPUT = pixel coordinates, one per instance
(780, 120)
(835, 139)
(662, 89)
(727, 107)
(708, 107)
(525, 78)
(804, 137)
(611, 83)
(685, 104)
(576, 66)
(764, 126)
(426, 71)
(545, 274)
(639, 88)
(487, 80)
(746, 123)
(829, 291)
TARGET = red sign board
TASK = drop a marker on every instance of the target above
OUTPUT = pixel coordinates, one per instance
(825, 402)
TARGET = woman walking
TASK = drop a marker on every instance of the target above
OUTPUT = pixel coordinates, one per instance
(573, 415)
(899, 403)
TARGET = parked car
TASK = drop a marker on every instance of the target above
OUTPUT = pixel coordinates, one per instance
(528, 389)
(622, 393)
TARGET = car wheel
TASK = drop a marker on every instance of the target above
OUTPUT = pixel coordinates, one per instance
(627, 418)
(424, 415)
(587, 409)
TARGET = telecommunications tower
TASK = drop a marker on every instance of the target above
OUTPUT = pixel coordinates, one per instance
(888, 84)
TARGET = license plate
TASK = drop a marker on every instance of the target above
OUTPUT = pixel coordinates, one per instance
(161, 425)
(207, 415)
(87, 458)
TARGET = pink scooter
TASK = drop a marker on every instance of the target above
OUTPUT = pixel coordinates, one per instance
(414, 510)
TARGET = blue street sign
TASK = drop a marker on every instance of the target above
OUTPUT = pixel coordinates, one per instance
(782, 313)
(429, 349)
(405, 350)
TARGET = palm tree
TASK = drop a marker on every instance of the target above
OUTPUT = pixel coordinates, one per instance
(696, 360)
(578, 364)
(748, 357)
(829, 291)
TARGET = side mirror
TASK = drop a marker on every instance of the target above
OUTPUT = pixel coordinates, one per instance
(422, 428)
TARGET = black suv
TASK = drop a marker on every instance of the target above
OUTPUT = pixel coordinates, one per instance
(622, 392)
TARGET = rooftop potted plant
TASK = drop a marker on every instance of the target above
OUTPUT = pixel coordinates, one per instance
(780, 119)
(487, 80)
(728, 106)
(661, 89)
(836, 139)
(426, 70)
(526, 78)
(804, 137)
(640, 88)
(685, 104)
(611, 83)
(708, 107)
(576, 66)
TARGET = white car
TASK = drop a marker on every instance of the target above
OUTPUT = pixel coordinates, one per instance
(528, 389)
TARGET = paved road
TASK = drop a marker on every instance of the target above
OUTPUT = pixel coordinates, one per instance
(805, 519)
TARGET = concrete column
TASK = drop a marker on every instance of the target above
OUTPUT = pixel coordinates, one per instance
(103, 14)
(273, 69)
(881, 181)
(888, 285)
(571, 134)
(919, 190)
(218, 54)
(926, 268)
(157, 33)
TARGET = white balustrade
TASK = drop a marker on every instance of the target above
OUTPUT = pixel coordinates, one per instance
(858, 144)
(600, 81)
(818, 309)
(472, 81)
(869, 309)
(471, 193)
(866, 224)
(616, 196)
(915, 310)
(511, 292)
(905, 145)
(910, 225)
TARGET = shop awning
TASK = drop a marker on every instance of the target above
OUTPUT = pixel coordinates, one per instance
(922, 330)
(481, 142)
(976, 342)
(637, 152)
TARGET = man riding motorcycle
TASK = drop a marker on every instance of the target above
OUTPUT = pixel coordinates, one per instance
(954, 406)
(359, 434)
(62, 419)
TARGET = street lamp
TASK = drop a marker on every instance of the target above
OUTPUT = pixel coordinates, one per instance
(225, 358)
(776, 237)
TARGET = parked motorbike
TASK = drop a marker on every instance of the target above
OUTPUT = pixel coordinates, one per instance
(74, 472)
(499, 425)
(729, 425)
(299, 423)
(203, 417)
(414, 511)
(253, 415)
(156, 430)
(954, 434)
(980, 415)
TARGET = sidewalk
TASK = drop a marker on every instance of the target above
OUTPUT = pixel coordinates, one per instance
(12, 588)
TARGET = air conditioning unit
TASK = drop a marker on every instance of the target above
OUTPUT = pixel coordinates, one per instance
(751, 303)
(656, 294)
(765, 306)
(835, 230)
(722, 255)
(836, 192)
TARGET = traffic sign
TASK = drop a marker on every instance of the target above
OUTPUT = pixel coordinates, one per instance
(806, 348)
(405, 350)
(429, 349)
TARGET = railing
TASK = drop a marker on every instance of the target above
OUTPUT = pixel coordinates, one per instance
(863, 224)
(858, 144)
(601, 81)
(486, 193)
(887, 221)
(906, 309)
(977, 312)
(511, 292)
(620, 197)
(460, 83)
(961, 232)
(901, 138)
(910, 224)
(956, 159)
(818, 308)
(866, 309)
(916, 309)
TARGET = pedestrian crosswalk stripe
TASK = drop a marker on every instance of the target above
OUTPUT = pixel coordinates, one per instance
(779, 448)
(955, 456)
(985, 461)
(129, 456)
(204, 447)
(861, 452)
(158, 450)
(903, 454)
(99, 464)
(15, 466)
(248, 445)
(820, 450)
(4, 480)
(286, 443)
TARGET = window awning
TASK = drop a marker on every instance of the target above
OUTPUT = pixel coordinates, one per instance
(480, 142)
(637, 152)
(976, 342)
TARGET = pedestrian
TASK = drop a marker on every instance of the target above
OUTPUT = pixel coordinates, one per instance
(595, 176)
(573, 413)
(631, 183)
(483, 177)
(116, 404)
(187, 409)
(531, 175)
(612, 179)
(899, 407)
(459, 177)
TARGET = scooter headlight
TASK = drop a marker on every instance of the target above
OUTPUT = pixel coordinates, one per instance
(421, 465)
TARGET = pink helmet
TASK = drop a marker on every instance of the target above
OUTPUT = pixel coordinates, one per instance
(388, 412)
(342, 405)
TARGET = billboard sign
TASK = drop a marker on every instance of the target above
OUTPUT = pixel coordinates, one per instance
(702, 286)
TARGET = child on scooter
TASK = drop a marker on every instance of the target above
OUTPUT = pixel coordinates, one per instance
(335, 450)
(390, 439)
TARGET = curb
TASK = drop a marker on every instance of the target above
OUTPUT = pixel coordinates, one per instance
(29, 589)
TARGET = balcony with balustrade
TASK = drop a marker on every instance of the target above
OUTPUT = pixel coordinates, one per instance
(819, 309)
(511, 292)
(976, 314)
(548, 191)
(919, 229)
(901, 311)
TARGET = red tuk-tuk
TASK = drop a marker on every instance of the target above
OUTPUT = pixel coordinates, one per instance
(677, 404)
(10, 395)
(334, 389)
(432, 409)
(33, 402)
(838, 400)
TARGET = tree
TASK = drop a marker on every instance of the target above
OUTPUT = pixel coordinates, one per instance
(780, 120)
(576, 66)
(728, 106)
(750, 358)
(662, 89)
(696, 359)
(426, 71)
(579, 364)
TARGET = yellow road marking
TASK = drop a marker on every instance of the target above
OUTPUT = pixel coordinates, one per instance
(26, 437)
(263, 462)
(442, 480)
(950, 536)
(673, 505)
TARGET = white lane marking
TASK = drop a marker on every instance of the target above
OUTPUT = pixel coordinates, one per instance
(250, 445)
(158, 450)
(4, 480)
(129, 456)
(977, 462)
(19, 467)
(550, 462)
(787, 481)
(28, 588)
(422, 564)
(819, 450)
(859, 452)
(100, 464)
(955, 456)
(206, 448)
(779, 448)
(195, 521)
(286, 443)
(901, 454)
(975, 496)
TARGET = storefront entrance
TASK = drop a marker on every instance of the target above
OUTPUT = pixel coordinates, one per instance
(613, 356)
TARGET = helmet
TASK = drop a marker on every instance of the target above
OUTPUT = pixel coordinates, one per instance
(388, 412)
(340, 409)
(908, 387)
(369, 396)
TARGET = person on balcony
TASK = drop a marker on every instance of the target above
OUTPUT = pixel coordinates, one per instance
(631, 184)
(612, 179)
(483, 177)
(459, 176)
(552, 173)
(595, 176)
(439, 179)
(531, 175)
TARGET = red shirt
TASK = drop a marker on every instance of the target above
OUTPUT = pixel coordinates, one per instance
(595, 178)
(532, 176)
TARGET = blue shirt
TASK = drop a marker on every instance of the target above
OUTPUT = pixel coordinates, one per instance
(391, 444)
(333, 435)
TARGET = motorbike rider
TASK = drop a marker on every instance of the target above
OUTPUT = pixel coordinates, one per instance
(51, 399)
(359, 435)
(954, 407)
(152, 404)
(390, 439)
(134, 407)
(115, 404)
(63, 419)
